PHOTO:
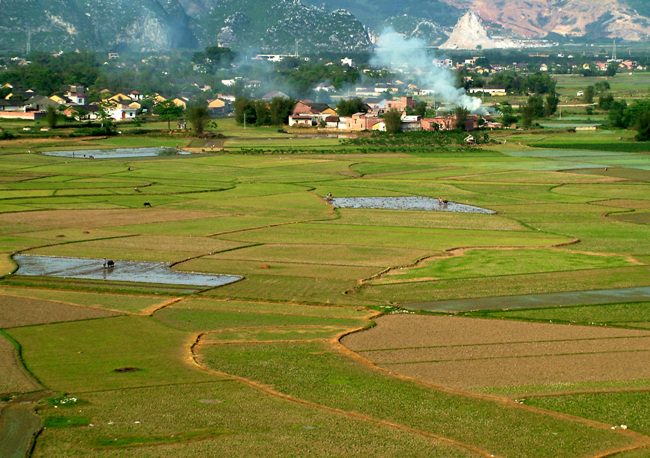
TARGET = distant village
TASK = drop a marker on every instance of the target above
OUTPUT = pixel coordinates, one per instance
(127, 104)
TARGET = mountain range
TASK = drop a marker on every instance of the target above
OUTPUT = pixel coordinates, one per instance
(281, 26)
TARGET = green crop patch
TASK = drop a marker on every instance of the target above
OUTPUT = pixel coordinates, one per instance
(398, 237)
(82, 356)
(634, 314)
(496, 263)
(323, 255)
(626, 408)
(143, 248)
(279, 334)
(269, 307)
(65, 422)
(273, 268)
(197, 419)
(201, 320)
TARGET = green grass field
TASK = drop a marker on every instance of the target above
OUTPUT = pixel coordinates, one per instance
(253, 368)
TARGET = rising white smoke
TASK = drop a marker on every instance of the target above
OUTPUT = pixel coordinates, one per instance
(393, 50)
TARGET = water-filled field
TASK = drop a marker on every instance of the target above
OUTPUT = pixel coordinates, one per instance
(406, 203)
(117, 153)
(130, 271)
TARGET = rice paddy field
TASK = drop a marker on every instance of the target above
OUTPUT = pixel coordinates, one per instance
(354, 331)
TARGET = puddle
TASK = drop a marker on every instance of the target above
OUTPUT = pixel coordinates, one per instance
(117, 153)
(129, 271)
(405, 203)
(606, 296)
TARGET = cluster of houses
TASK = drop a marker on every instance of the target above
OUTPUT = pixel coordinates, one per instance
(128, 103)
(72, 100)
(309, 114)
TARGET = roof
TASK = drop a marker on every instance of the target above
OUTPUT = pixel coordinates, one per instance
(10, 103)
(274, 94)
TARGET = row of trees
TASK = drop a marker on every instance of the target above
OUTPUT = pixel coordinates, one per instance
(263, 113)
(538, 83)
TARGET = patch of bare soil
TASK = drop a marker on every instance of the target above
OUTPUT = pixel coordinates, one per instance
(22, 311)
(467, 353)
(126, 369)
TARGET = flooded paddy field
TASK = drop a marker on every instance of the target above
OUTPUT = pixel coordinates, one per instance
(128, 271)
(406, 203)
(118, 153)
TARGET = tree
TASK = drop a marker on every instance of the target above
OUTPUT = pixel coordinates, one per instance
(588, 96)
(617, 114)
(351, 106)
(280, 109)
(642, 126)
(51, 116)
(602, 87)
(198, 116)
(421, 109)
(507, 113)
(527, 114)
(168, 111)
(612, 68)
(103, 112)
(552, 101)
(241, 106)
(461, 114)
(605, 101)
(536, 103)
(262, 112)
(393, 121)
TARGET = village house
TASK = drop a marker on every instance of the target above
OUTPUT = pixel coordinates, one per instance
(75, 93)
(60, 100)
(362, 121)
(411, 123)
(119, 97)
(319, 110)
(82, 113)
(492, 90)
(218, 106)
(41, 103)
(303, 120)
(180, 102)
(121, 111)
(401, 104)
(332, 122)
(322, 87)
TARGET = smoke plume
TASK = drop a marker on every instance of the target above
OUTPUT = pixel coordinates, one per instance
(393, 50)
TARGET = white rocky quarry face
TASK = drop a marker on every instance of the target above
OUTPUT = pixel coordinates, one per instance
(470, 33)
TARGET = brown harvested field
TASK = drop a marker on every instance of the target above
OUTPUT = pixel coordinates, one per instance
(13, 378)
(471, 353)
(20, 222)
(21, 311)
